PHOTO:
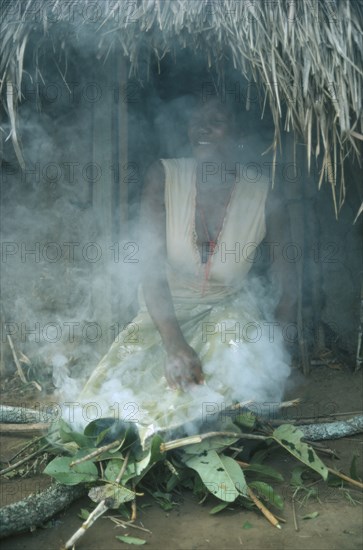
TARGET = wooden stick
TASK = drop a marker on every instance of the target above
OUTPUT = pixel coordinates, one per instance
(122, 523)
(191, 440)
(282, 405)
(16, 360)
(23, 428)
(36, 385)
(133, 503)
(24, 460)
(346, 478)
(97, 512)
(102, 506)
(294, 514)
(323, 450)
(99, 451)
(268, 515)
(2, 362)
(123, 467)
(31, 443)
(133, 510)
(291, 403)
(282, 520)
(242, 464)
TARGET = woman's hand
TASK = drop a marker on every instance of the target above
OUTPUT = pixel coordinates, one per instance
(183, 367)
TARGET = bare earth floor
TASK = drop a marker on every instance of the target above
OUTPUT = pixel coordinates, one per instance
(189, 526)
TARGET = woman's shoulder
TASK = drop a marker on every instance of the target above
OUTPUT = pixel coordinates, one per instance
(179, 163)
(179, 170)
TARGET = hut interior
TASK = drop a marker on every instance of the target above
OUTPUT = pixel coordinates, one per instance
(93, 91)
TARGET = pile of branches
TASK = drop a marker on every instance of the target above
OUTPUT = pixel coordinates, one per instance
(107, 460)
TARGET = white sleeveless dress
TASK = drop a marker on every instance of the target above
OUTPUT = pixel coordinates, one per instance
(219, 318)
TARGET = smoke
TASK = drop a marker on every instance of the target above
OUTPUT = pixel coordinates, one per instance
(72, 264)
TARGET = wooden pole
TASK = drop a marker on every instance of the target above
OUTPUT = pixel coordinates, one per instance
(103, 199)
(123, 145)
(294, 192)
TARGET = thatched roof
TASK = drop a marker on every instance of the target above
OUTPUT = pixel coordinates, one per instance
(305, 54)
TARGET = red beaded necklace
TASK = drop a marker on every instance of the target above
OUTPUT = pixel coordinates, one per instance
(212, 243)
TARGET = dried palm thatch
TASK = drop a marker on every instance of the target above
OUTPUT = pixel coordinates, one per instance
(306, 55)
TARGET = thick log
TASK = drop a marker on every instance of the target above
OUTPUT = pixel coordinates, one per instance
(20, 415)
(36, 509)
(27, 429)
(333, 430)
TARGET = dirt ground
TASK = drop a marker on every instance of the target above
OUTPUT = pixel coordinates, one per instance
(189, 526)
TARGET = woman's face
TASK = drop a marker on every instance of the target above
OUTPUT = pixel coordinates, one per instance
(210, 131)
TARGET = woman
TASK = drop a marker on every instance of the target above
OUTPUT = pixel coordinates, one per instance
(193, 331)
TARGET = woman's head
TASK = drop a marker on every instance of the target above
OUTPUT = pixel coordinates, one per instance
(212, 129)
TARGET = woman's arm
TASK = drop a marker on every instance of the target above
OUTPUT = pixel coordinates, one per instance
(183, 366)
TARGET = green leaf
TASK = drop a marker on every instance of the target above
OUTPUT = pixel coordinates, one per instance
(113, 430)
(197, 486)
(115, 494)
(313, 515)
(107, 455)
(67, 434)
(134, 468)
(99, 429)
(247, 525)
(264, 470)
(220, 474)
(167, 506)
(247, 503)
(172, 482)
(124, 512)
(102, 436)
(219, 508)
(164, 500)
(144, 461)
(259, 456)
(61, 470)
(296, 476)
(235, 473)
(132, 437)
(246, 420)
(113, 469)
(137, 468)
(84, 514)
(264, 490)
(98, 426)
(131, 540)
(156, 454)
(290, 438)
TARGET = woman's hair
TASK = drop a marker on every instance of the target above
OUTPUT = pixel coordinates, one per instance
(226, 104)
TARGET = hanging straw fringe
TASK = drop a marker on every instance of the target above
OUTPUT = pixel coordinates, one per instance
(306, 55)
